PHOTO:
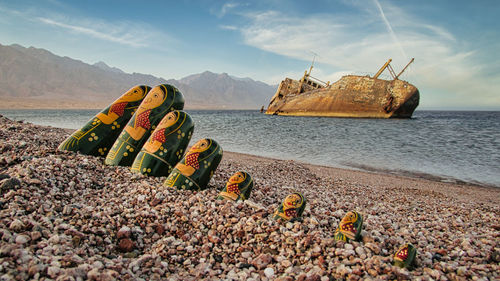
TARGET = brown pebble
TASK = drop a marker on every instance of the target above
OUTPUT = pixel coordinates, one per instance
(442, 252)
(126, 245)
(155, 202)
(124, 232)
(35, 235)
(262, 261)
(160, 229)
(313, 277)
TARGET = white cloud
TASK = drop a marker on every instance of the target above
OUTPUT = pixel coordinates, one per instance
(229, 27)
(226, 8)
(128, 33)
(117, 36)
(365, 41)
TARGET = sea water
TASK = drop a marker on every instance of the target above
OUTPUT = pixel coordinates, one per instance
(455, 146)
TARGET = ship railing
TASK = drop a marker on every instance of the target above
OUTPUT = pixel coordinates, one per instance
(315, 82)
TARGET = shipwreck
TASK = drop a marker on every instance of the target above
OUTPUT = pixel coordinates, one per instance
(351, 96)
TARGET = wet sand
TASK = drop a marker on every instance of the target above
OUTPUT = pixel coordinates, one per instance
(66, 216)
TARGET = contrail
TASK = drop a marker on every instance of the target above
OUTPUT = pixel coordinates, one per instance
(389, 28)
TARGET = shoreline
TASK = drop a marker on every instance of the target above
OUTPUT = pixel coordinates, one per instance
(376, 179)
(472, 180)
(368, 170)
(66, 215)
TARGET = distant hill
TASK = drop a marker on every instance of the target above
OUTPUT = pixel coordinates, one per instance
(36, 78)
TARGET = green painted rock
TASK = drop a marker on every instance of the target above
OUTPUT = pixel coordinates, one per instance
(165, 146)
(237, 187)
(405, 256)
(99, 134)
(291, 208)
(197, 167)
(159, 101)
(350, 227)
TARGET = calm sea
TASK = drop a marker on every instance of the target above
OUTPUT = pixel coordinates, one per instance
(450, 146)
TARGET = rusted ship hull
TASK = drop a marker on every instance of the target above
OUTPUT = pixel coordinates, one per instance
(351, 96)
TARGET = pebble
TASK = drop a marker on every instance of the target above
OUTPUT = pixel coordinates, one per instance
(16, 225)
(269, 272)
(22, 239)
(262, 261)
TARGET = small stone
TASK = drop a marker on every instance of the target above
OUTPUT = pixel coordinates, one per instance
(126, 245)
(361, 252)
(16, 225)
(22, 239)
(9, 184)
(286, 263)
(53, 271)
(442, 252)
(269, 272)
(495, 256)
(160, 229)
(98, 265)
(262, 261)
(313, 277)
(93, 274)
(124, 232)
(373, 247)
(35, 235)
(246, 255)
(67, 210)
(34, 269)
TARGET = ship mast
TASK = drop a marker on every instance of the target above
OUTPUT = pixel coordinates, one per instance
(405, 68)
(312, 64)
(391, 70)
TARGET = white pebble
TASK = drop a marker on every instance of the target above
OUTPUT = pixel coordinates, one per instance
(269, 272)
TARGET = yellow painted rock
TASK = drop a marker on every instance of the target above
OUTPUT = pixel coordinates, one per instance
(197, 167)
(350, 227)
(98, 135)
(161, 100)
(237, 187)
(165, 146)
(291, 208)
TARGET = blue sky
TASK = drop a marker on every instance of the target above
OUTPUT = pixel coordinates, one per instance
(455, 43)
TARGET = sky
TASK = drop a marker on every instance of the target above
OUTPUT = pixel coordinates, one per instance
(455, 43)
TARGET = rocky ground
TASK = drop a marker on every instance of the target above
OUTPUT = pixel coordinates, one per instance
(66, 216)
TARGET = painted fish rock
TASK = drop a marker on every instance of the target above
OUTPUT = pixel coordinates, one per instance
(158, 102)
(98, 135)
(291, 208)
(197, 167)
(237, 187)
(405, 256)
(165, 146)
(350, 227)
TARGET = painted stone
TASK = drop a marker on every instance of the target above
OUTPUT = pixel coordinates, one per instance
(159, 101)
(291, 208)
(165, 146)
(237, 187)
(405, 256)
(197, 167)
(350, 227)
(98, 135)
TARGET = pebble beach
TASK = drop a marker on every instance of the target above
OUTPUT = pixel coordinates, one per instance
(67, 216)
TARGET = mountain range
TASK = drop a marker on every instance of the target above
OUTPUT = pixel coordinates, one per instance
(36, 78)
